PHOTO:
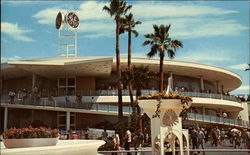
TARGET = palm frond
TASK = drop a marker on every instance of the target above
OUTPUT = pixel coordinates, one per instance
(167, 28)
(171, 53)
(147, 42)
(176, 44)
(137, 22)
(135, 33)
(156, 28)
(107, 9)
(153, 50)
(127, 8)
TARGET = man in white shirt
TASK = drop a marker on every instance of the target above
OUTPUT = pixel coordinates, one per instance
(127, 141)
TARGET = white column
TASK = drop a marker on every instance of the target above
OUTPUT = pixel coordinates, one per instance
(172, 81)
(67, 120)
(5, 127)
(33, 80)
(202, 83)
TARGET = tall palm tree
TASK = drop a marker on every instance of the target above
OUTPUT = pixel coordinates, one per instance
(128, 25)
(160, 43)
(117, 8)
(140, 78)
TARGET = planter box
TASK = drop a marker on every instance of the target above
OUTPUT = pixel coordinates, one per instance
(165, 104)
(170, 109)
(30, 142)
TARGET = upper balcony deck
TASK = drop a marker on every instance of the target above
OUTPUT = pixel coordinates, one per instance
(60, 104)
(56, 93)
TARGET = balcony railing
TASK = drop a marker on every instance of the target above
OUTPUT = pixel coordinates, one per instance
(55, 93)
(215, 119)
(45, 102)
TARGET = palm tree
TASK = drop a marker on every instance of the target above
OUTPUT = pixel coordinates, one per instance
(160, 43)
(140, 78)
(117, 8)
(128, 25)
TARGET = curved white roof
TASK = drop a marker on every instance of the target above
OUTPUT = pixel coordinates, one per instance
(102, 67)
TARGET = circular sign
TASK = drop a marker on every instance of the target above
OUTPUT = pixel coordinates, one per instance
(72, 19)
(59, 20)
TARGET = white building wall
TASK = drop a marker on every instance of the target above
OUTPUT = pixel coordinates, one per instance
(245, 112)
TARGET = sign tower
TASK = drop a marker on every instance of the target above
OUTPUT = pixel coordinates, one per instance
(67, 25)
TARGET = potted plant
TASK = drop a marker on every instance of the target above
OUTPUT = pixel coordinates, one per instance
(164, 106)
(30, 137)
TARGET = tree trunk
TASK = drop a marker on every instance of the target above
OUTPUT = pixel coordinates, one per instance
(161, 74)
(129, 67)
(129, 49)
(118, 69)
(138, 93)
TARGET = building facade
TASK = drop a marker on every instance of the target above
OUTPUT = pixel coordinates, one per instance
(79, 92)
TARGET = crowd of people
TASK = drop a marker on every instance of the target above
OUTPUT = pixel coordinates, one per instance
(200, 138)
(134, 141)
(220, 137)
(24, 96)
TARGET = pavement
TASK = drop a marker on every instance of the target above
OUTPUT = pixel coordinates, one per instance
(226, 149)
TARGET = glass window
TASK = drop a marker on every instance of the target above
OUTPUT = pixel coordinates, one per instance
(71, 81)
(66, 86)
(62, 81)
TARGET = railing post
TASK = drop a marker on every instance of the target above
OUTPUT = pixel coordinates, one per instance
(108, 107)
(97, 106)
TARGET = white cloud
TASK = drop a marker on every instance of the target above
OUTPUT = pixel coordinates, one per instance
(195, 27)
(90, 10)
(14, 31)
(189, 21)
(247, 87)
(5, 59)
(208, 55)
(239, 66)
(47, 16)
(164, 10)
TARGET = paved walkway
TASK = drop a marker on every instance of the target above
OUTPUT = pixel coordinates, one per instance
(226, 149)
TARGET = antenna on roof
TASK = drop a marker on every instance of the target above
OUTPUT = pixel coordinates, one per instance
(67, 25)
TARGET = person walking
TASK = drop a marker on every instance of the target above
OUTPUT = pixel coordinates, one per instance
(127, 141)
(222, 137)
(139, 140)
(194, 135)
(116, 140)
(201, 138)
(105, 135)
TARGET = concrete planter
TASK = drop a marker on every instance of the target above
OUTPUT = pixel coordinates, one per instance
(29, 142)
(150, 105)
(63, 147)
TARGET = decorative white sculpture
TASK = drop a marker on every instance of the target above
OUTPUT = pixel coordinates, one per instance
(167, 123)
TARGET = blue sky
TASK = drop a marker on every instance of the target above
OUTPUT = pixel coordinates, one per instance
(213, 32)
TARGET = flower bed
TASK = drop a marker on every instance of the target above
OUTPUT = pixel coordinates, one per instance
(30, 132)
(165, 96)
(30, 137)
